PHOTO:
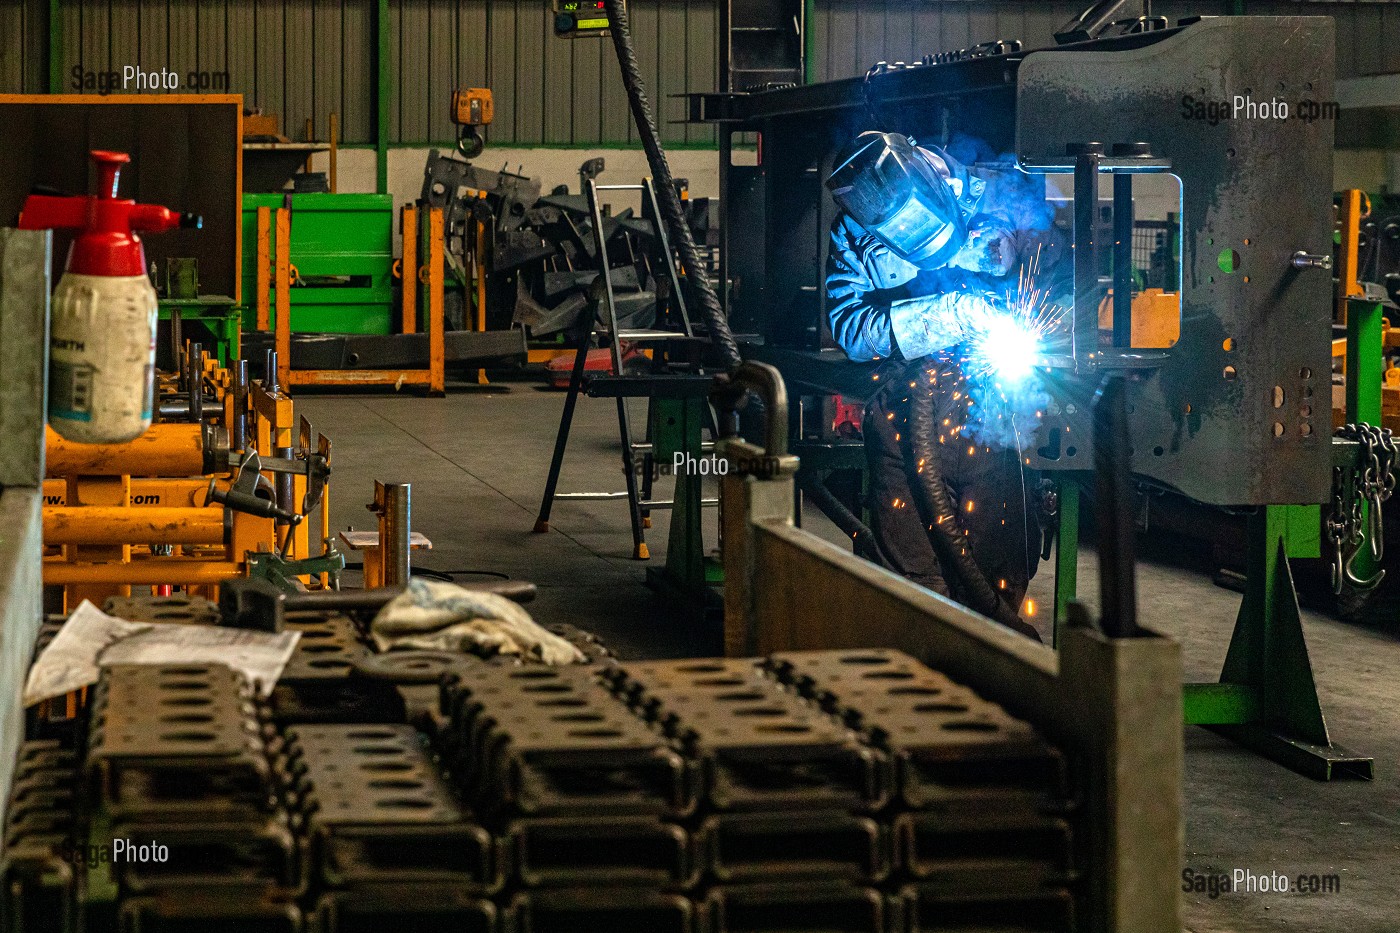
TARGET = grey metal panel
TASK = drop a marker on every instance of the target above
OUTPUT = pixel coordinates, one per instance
(500, 65)
(182, 34)
(529, 71)
(441, 77)
(869, 44)
(93, 37)
(298, 71)
(124, 26)
(558, 84)
(357, 73)
(327, 63)
(269, 91)
(614, 118)
(210, 49)
(588, 64)
(25, 258)
(21, 611)
(702, 61)
(410, 70)
(12, 49)
(1238, 386)
(35, 44)
(24, 312)
(472, 70)
(151, 32)
(242, 71)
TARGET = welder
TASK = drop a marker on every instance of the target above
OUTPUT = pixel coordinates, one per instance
(916, 248)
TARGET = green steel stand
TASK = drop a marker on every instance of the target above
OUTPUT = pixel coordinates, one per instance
(689, 575)
(1066, 553)
(1365, 374)
(216, 314)
(1266, 698)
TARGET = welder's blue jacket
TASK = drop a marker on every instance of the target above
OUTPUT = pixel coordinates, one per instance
(880, 306)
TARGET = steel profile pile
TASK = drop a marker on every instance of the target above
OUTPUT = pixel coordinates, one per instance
(37, 874)
(981, 808)
(588, 799)
(830, 791)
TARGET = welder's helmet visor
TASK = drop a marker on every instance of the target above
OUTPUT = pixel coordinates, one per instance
(894, 191)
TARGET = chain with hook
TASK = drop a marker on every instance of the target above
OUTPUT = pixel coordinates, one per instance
(1371, 483)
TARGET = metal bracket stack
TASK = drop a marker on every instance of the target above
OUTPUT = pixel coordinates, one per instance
(836, 790)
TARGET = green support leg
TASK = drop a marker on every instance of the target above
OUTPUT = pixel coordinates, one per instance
(1365, 373)
(1267, 699)
(677, 427)
(1066, 553)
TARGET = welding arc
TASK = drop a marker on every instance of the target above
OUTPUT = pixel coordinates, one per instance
(953, 547)
(697, 281)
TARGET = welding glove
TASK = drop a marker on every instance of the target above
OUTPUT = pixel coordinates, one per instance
(926, 325)
(434, 615)
(990, 249)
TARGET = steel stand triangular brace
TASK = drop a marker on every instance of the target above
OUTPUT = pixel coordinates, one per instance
(1267, 699)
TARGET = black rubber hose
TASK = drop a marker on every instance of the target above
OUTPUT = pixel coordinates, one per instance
(862, 538)
(953, 547)
(699, 293)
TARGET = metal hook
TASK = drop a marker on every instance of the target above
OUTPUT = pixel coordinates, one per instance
(1358, 582)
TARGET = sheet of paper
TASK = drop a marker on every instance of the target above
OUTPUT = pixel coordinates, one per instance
(91, 638)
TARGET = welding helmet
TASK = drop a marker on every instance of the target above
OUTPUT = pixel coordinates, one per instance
(915, 201)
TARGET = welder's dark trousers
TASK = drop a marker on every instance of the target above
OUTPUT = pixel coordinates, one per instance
(984, 481)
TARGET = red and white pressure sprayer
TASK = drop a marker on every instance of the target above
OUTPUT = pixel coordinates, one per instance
(102, 340)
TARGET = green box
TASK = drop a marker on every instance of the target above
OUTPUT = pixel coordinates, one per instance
(342, 247)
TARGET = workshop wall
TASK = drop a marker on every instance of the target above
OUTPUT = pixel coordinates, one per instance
(305, 58)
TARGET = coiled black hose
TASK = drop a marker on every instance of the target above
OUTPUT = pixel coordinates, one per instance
(954, 549)
(699, 293)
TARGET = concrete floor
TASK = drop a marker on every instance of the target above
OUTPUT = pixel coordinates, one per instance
(477, 461)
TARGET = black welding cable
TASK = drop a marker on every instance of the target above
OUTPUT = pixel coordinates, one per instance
(953, 547)
(697, 280)
(862, 538)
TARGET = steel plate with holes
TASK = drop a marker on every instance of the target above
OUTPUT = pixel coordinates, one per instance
(328, 647)
(175, 610)
(790, 844)
(372, 774)
(555, 740)
(762, 745)
(380, 812)
(947, 741)
(168, 715)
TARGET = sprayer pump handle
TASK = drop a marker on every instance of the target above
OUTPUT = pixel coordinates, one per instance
(109, 164)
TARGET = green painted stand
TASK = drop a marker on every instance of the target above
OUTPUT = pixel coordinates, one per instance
(691, 577)
(1266, 698)
(1066, 552)
(214, 313)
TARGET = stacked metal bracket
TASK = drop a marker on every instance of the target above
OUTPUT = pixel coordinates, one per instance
(980, 816)
(831, 791)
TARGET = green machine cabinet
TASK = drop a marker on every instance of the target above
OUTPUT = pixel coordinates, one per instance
(342, 251)
(211, 320)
